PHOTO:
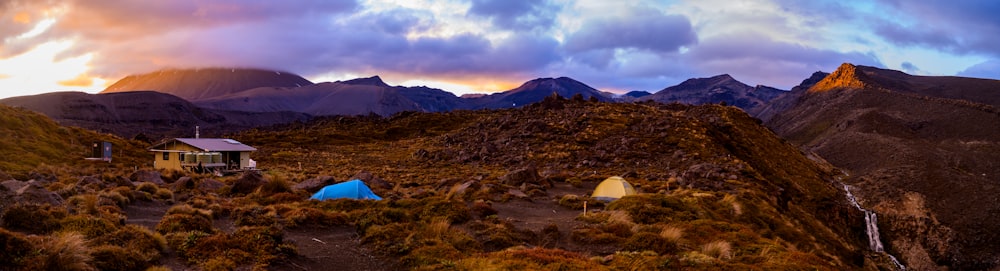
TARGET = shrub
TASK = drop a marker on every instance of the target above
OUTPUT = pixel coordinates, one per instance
(189, 210)
(275, 186)
(388, 238)
(260, 246)
(431, 255)
(32, 218)
(255, 216)
(183, 223)
(15, 248)
(313, 217)
(89, 226)
(183, 241)
(455, 211)
(650, 241)
(109, 257)
(653, 208)
(164, 194)
(147, 187)
(142, 244)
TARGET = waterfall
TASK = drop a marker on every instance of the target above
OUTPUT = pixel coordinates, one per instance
(871, 228)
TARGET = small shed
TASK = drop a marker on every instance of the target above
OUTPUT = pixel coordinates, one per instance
(209, 153)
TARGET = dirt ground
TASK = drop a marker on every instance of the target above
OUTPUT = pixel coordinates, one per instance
(340, 248)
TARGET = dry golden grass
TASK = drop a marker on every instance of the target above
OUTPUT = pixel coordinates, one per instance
(673, 234)
(62, 251)
(722, 250)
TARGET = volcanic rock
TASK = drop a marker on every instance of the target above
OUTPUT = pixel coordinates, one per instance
(148, 176)
(315, 184)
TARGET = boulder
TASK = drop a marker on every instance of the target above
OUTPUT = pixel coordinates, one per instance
(147, 176)
(122, 181)
(33, 192)
(521, 176)
(210, 185)
(184, 183)
(12, 185)
(314, 184)
(371, 180)
(247, 183)
(90, 181)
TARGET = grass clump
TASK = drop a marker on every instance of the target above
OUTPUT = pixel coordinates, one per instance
(62, 251)
(184, 223)
(33, 218)
(257, 246)
(307, 216)
(255, 216)
(87, 225)
(719, 249)
(108, 257)
(16, 249)
(141, 244)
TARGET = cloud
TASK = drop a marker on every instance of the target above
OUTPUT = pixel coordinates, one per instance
(516, 14)
(953, 26)
(986, 69)
(643, 29)
(909, 67)
(759, 58)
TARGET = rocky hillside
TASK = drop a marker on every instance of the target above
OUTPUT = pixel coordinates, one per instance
(718, 89)
(788, 99)
(152, 114)
(686, 158)
(35, 143)
(198, 84)
(353, 97)
(921, 149)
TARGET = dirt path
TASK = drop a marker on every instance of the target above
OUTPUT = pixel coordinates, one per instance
(331, 249)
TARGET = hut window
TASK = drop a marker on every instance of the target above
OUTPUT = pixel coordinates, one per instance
(166, 156)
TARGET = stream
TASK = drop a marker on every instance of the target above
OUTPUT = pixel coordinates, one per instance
(871, 228)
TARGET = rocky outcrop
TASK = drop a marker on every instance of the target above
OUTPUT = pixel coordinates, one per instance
(847, 76)
(315, 184)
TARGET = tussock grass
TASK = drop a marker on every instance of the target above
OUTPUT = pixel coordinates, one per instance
(62, 251)
(722, 250)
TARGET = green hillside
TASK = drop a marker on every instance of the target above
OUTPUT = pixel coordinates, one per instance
(31, 140)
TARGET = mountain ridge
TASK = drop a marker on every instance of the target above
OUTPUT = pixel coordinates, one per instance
(919, 149)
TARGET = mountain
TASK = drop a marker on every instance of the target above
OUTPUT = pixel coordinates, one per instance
(198, 84)
(920, 150)
(150, 113)
(788, 99)
(637, 94)
(536, 90)
(717, 89)
(353, 97)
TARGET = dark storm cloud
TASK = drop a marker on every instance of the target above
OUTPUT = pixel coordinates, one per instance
(644, 29)
(516, 14)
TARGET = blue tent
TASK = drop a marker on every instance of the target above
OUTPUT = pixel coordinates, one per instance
(353, 189)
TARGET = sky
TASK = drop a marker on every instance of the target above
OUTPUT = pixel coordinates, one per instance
(468, 46)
